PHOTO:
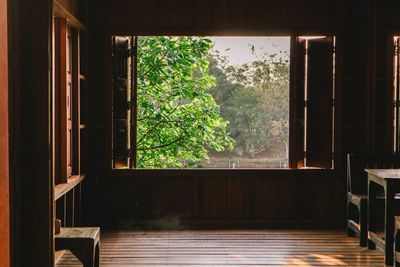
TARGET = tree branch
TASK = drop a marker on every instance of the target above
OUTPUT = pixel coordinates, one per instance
(161, 146)
(154, 127)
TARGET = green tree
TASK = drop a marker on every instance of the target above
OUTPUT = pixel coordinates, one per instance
(179, 121)
(254, 98)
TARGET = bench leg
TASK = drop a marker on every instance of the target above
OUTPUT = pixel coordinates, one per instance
(85, 256)
(97, 255)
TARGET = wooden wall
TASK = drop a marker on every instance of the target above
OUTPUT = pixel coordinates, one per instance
(32, 184)
(207, 198)
(203, 198)
(223, 16)
(4, 141)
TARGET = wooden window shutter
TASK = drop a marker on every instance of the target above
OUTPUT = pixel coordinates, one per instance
(133, 102)
(396, 95)
(298, 61)
(68, 102)
(123, 52)
(60, 127)
(319, 102)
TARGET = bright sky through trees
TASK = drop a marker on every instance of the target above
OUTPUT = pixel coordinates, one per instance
(238, 49)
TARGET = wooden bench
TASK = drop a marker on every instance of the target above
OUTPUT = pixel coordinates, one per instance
(83, 242)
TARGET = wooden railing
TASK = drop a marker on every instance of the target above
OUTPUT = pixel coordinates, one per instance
(68, 199)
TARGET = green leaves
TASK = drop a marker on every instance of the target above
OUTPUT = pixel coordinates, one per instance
(192, 103)
(178, 119)
(254, 98)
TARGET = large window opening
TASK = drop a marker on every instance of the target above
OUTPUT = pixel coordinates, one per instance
(222, 102)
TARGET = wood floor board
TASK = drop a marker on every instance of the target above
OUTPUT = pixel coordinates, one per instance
(230, 248)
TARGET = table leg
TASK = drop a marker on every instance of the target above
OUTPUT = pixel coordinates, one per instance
(371, 211)
(389, 223)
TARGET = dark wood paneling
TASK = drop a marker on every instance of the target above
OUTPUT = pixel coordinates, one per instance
(220, 15)
(36, 183)
(265, 194)
(251, 17)
(202, 14)
(176, 203)
(221, 198)
(238, 196)
(4, 141)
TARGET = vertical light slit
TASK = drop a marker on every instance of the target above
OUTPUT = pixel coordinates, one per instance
(333, 98)
(305, 101)
(394, 124)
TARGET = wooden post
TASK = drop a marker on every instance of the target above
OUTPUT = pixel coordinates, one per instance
(36, 196)
(4, 141)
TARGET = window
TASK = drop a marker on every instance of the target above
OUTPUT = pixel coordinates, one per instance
(222, 102)
(66, 105)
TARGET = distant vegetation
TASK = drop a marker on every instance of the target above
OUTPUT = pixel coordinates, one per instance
(254, 98)
(193, 105)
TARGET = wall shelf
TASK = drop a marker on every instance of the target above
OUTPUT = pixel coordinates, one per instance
(61, 189)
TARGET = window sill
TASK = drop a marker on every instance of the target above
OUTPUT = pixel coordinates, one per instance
(133, 172)
(62, 189)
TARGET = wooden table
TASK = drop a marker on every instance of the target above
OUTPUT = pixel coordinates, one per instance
(389, 179)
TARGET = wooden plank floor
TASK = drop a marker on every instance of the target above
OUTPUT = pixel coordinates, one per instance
(231, 248)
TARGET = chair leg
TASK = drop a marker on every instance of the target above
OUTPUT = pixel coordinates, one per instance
(350, 216)
(350, 232)
(363, 224)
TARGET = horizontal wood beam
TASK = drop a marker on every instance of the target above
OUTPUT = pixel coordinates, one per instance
(60, 11)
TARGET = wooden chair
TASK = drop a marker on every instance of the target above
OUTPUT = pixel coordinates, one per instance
(357, 196)
(83, 242)
(397, 241)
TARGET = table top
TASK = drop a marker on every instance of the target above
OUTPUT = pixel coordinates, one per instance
(385, 173)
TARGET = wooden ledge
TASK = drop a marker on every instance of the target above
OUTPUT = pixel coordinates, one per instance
(62, 189)
(60, 11)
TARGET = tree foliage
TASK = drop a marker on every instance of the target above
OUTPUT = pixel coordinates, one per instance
(192, 103)
(254, 98)
(179, 121)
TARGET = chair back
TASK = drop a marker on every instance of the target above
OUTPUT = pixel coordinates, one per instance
(357, 178)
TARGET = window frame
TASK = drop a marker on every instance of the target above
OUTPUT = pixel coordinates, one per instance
(66, 127)
(293, 87)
